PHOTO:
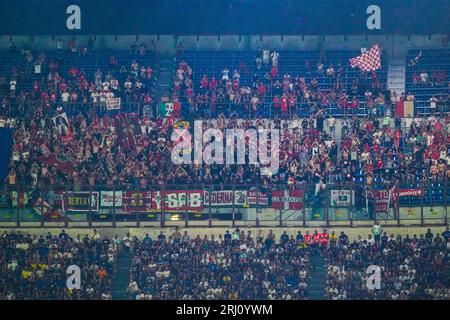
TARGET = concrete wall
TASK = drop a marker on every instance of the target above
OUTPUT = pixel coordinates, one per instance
(353, 233)
(395, 45)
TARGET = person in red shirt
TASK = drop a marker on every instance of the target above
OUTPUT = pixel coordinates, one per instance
(324, 238)
(204, 83)
(35, 87)
(213, 84)
(73, 72)
(316, 237)
(176, 108)
(261, 89)
(284, 104)
(274, 72)
(307, 238)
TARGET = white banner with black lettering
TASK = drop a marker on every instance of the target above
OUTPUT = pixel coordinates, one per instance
(342, 198)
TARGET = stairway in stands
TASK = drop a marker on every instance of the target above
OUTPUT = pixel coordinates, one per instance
(121, 278)
(6, 141)
(165, 74)
(317, 281)
(396, 75)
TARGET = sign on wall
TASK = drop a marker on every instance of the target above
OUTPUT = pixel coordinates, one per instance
(81, 201)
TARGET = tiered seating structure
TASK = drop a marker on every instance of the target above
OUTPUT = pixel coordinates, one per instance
(431, 60)
(211, 63)
(89, 62)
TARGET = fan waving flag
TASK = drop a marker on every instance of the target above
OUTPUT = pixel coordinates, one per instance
(369, 60)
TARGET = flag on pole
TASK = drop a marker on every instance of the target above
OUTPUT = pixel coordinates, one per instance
(369, 60)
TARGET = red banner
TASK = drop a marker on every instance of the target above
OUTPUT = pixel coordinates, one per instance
(410, 193)
(137, 201)
(178, 200)
(381, 199)
(287, 199)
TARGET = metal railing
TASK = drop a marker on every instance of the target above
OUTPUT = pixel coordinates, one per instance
(301, 205)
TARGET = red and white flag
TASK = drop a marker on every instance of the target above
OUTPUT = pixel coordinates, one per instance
(287, 199)
(369, 60)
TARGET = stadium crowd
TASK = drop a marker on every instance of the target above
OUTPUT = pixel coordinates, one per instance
(237, 265)
(42, 81)
(412, 267)
(267, 92)
(241, 265)
(34, 267)
(134, 150)
(130, 149)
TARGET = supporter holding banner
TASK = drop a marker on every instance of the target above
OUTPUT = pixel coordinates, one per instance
(81, 201)
(382, 199)
(113, 104)
(63, 127)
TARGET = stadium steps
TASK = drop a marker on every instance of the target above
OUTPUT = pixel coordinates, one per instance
(121, 279)
(396, 75)
(317, 280)
(6, 141)
(165, 72)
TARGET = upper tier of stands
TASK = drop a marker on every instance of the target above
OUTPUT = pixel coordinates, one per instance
(302, 64)
(435, 63)
(14, 62)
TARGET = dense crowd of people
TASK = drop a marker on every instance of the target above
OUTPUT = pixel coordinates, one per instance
(35, 267)
(241, 265)
(128, 149)
(260, 89)
(232, 266)
(55, 147)
(43, 81)
(412, 267)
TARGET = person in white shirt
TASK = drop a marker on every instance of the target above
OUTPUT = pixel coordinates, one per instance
(12, 85)
(275, 55)
(331, 123)
(126, 241)
(114, 84)
(65, 97)
(266, 56)
(95, 235)
(433, 102)
(424, 76)
(225, 74)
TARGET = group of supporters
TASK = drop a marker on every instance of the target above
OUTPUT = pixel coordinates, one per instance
(233, 265)
(241, 265)
(266, 92)
(128, 149)
(36, 267)
(44, 81)
(411, 267)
